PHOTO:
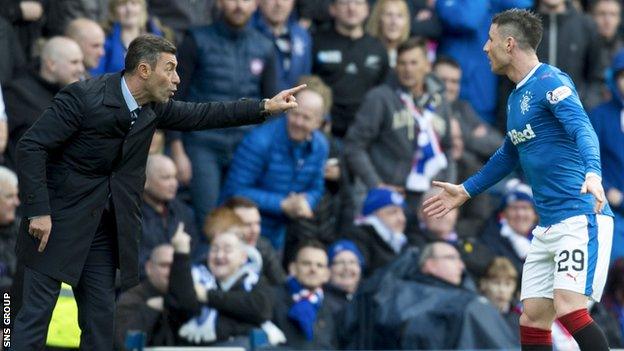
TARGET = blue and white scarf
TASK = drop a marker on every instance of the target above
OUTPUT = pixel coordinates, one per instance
(304, 310)
(202, 329)
(429, 159)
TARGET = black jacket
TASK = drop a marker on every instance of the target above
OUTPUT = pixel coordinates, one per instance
(81, 151)
(25, 98)
(377, 253)
(271, 266)
(157, 229)
(133, 313)
(239, 310)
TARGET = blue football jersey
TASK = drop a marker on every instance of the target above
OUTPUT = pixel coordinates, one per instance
(550, 136)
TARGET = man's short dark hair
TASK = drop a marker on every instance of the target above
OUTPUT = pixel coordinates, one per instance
(309, 243)
(147, 47)
(522, 25)
(446, 60)
(412, 43)
(239, 202)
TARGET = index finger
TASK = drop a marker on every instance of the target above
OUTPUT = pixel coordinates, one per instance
(44, 242)
(293, 91)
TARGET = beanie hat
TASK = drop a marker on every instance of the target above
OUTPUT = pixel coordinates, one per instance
(516, 191)
(344, 245)
(381, 197)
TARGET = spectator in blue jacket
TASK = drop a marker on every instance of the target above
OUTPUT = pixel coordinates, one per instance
(221, 62)
(291, 42)
(280, 165)
(127, 19)
(609, 125)
(465, 29)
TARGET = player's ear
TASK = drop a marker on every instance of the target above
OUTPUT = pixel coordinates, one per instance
(510, 42)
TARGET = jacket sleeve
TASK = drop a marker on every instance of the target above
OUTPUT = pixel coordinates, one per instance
(189, 116)
(247, 167)
(461, 16)
(57, 124)
(181, 299)
(361, 134)
(253, 306)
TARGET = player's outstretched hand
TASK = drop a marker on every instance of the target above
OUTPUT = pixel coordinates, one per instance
(593, 185)
(452, 196)
(284, 100)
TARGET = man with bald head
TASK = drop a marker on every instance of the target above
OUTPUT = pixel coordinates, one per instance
(162, 212)
(26, 97)
(90, 36)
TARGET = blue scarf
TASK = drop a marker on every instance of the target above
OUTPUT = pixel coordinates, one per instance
(304, 310)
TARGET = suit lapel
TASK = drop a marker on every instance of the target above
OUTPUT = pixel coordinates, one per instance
(146, 116)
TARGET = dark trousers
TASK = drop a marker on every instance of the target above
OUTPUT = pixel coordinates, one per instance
(95, 297)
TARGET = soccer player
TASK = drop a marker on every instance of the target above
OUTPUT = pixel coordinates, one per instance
(550, 136)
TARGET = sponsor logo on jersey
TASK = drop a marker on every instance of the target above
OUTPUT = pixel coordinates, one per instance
(525, 102)
(559, 94)
(521, 136)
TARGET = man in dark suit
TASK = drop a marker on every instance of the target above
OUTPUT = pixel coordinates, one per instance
(82, 172)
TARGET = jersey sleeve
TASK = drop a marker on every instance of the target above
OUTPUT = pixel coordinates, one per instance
(504, 160)
(563, 101)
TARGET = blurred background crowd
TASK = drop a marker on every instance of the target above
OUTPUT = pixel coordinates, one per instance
(307, 231)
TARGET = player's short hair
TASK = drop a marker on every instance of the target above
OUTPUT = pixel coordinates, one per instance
(412, 43)
(147, 48)
(446, 60)
(522, 25)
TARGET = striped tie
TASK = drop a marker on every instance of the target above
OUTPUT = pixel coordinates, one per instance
(134, 114)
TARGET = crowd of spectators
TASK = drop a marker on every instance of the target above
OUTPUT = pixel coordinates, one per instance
(308, 229)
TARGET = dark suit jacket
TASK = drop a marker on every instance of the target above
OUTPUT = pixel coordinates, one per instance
(80, 151)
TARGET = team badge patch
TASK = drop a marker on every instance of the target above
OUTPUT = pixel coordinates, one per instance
(559, 94)
(525, 102)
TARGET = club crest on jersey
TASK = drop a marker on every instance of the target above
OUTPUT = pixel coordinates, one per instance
(525, 102)
(554, 96)
(521, 136)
